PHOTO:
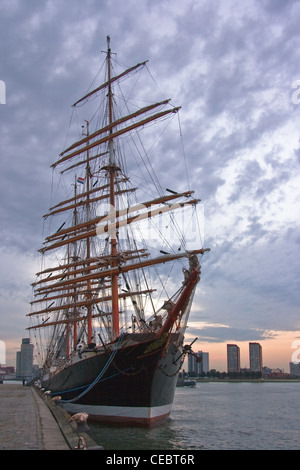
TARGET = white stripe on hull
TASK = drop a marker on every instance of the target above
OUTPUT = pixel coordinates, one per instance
(121, 413)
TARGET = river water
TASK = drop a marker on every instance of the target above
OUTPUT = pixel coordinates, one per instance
(218, 416)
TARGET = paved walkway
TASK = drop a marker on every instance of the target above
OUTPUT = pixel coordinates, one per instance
(26, 423)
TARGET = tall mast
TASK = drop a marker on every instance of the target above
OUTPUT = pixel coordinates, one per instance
(74, 261)
(88, 242)
(71, 314)
(112, 171)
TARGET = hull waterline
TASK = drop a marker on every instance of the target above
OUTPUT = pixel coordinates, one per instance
(135, 387)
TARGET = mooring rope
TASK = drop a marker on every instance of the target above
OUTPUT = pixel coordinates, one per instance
(89, 387)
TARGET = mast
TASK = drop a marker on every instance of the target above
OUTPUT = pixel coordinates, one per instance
(112, 171)
(88, 241)
(74, 294)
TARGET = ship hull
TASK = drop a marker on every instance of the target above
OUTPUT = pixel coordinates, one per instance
(136, 387)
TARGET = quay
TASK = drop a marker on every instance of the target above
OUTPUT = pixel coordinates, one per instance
(30, 421)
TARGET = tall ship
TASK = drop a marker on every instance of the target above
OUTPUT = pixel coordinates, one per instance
(112, 298)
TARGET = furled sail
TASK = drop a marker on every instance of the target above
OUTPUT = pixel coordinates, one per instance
(108, 235)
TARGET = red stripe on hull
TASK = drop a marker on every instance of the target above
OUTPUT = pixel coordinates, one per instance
(127, 421)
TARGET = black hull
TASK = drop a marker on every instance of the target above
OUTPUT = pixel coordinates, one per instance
(133, 384)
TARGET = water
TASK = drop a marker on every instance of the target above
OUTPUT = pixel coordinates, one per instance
(218, 416)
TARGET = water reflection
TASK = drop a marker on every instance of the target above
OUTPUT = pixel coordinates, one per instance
(218, 416)
(165, 436)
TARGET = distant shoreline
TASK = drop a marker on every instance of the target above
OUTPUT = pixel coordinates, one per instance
(247, 380)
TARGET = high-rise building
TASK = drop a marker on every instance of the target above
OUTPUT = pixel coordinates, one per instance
(199, 364)
(233, 358)
(295, 368)
(205, 361)
(255, 357)
(24, 360)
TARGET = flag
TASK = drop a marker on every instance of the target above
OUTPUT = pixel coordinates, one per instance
(80, 180)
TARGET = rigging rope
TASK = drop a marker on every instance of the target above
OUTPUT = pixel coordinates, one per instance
(183, 151)
(92, 385)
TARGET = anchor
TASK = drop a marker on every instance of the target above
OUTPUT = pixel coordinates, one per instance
(187, 349)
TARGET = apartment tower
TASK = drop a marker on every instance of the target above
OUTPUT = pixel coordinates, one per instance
(24, 365)
(255, 357)
(233, 358)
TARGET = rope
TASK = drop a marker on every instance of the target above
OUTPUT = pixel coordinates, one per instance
(84, 386)
(183, 151)
(172, 375)
(92, 385)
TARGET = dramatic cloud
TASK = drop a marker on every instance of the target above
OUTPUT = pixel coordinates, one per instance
(231, 66)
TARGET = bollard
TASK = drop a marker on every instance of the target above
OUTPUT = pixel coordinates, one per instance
(81, 421)
(56, 400)
(81, 444)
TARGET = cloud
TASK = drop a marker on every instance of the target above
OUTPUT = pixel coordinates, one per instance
(222, 333)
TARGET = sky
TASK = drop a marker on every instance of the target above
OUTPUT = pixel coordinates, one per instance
(234, 68)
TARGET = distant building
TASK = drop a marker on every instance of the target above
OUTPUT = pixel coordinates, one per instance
(233, 358)
(295, 368)
(24, 360)
(266, 371)
(9, 370)
(255, 357)
(198, 365)
(205, 361)
(35, 370)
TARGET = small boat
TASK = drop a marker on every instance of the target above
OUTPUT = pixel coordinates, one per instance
(189, 383)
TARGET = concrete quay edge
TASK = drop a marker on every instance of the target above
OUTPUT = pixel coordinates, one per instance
(70, 438)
